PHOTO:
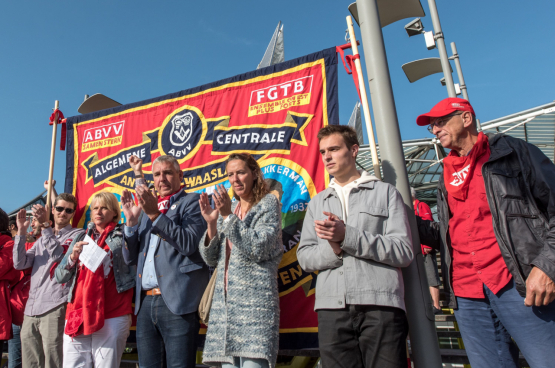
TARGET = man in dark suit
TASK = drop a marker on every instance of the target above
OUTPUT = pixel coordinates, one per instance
(171, 276)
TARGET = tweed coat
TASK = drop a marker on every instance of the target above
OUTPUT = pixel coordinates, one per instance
(245, 323)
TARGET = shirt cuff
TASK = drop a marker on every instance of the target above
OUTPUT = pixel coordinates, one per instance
(140, 181)
(130, 230)
(48, 231)
(70, 263)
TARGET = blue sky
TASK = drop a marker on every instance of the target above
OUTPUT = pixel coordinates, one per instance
(134, 50)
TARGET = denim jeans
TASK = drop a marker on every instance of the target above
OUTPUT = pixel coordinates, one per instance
(247, 363)
(488, 324)
(163, 338)
(14, 348)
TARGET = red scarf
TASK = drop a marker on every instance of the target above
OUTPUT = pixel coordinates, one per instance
(457, 170)
(85, 315)
(164, 202)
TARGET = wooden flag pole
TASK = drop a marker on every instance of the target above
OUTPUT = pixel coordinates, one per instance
(364, 100)
(52, 155)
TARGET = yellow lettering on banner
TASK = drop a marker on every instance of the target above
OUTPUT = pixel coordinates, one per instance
(189, 182)
(295, 272)
(108, 142)
(283, 104)
(284, 277)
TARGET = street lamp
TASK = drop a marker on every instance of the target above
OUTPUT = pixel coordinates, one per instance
(96, 102)
(419, 69)
(372, 15)
(441, 48)
(391, 11)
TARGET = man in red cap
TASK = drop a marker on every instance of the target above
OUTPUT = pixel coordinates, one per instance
(496, 211)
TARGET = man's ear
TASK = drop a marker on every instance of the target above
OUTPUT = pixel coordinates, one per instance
(354, 150)
(467, 119)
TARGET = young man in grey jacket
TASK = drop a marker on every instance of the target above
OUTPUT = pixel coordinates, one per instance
(356, 234)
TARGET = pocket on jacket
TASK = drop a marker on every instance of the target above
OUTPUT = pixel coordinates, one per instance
(190, 267)
(372, 219)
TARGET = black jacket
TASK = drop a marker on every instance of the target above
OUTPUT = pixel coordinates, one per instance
(520, 190)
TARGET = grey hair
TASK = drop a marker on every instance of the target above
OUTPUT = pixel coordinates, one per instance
(413, 193)
(167, 158)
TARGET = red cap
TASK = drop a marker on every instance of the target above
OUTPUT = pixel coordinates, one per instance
(443, 108)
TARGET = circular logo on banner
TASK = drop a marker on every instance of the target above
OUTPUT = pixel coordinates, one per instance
(181, 132)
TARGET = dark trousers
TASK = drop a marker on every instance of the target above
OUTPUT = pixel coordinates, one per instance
(488, 324)
(165, 339)
(364, 336)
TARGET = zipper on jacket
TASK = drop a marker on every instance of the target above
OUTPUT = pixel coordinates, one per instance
(525, 216)
(495, 224)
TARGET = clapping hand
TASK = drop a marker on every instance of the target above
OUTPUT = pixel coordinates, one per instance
(332, 229)
(209, 214)
(22, 222)
(222, 201)
(130, 210)
(40, 213)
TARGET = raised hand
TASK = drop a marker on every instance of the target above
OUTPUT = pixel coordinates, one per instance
(46, 184)
(130, 210)
(222, 201)
(77, 249)
(210, 214)
(136, 164)
(147, 202)
(22, 222)
(40, 213)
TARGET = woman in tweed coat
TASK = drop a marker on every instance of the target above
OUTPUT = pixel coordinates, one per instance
(243, 241)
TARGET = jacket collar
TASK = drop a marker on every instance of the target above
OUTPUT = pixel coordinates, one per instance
(330, 191)
(498, 146)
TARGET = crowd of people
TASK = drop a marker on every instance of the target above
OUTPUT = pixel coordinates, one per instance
(495, 234)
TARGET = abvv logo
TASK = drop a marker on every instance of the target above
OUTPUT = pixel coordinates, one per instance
(181, 132)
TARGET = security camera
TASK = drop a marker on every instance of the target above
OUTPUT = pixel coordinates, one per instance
(415, 27)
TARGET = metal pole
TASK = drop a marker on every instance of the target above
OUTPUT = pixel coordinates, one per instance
(424, 343)
(459, 70)
(364, 100)
(441, 48)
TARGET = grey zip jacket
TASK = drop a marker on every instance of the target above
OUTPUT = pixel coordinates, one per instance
(377, 244)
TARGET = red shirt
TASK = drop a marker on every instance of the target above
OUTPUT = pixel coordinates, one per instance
(477, 258)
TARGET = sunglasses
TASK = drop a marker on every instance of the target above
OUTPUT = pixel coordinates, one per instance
(69, 211)
(440, 123)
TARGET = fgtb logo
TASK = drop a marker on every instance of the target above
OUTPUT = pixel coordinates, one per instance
(181, 132)
(460, 176)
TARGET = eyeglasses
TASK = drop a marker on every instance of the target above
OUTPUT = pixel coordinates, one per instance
(442, 121)
(69, 211)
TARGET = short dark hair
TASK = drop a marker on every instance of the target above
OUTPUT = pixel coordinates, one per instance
(349, 135)
(4, 221)
(14, 223)
(66, 197)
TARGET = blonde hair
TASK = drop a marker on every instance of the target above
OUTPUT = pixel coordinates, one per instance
(110, 201)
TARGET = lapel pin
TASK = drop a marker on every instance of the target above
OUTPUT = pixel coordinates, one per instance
(173, 207)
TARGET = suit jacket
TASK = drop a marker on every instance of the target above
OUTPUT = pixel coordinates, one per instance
(181, 272)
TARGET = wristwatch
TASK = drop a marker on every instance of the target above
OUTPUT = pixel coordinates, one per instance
(45, 224)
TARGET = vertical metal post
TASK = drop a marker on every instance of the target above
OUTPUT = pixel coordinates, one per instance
(424, 343)
(459, 70)
(441, 48)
